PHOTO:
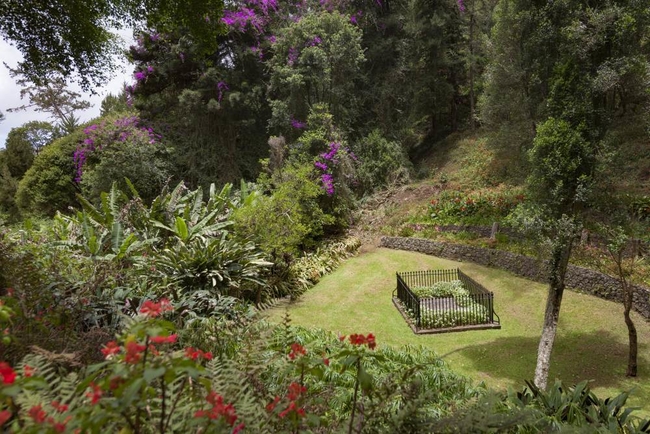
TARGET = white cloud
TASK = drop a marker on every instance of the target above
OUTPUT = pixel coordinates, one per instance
(10, 92)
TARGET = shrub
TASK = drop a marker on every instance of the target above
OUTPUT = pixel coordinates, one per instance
(482, 207)
(441, 289)
(381, 163)
(118, 147)
(48, 185)
(289, 219)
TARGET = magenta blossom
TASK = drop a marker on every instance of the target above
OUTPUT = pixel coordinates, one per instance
(222, 87)
(297, 124)
(328, 183)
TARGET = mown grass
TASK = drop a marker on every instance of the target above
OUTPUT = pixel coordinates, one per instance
(591, 342)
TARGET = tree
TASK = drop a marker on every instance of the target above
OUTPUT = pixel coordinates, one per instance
(54, 98)
(19, 153)
(22, 145)
(562, 167)
(317, 61)
(73, 36)
(112, 104)
(617, 246)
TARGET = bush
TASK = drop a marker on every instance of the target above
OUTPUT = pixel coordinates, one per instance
(381, 163)
(441, 289)
(472, 313)
(290, 218)
(482, 207)
(117, 147)
(48, 185)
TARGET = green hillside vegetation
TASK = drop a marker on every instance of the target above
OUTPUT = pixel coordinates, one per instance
(259, 146)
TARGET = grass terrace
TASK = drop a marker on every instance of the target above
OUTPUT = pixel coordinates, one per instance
(591, 342)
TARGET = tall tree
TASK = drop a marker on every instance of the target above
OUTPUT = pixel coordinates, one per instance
(54, 98)
(562, 167)
(73, 36)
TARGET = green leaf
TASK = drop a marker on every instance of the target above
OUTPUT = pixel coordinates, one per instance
(131, 392)
(181, 229)
(151, 374)
(365, 379)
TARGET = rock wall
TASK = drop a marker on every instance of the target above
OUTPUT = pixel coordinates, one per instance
(577, 278)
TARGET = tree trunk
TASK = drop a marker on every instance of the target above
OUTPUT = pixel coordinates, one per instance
(558, 265)
(628, 298)
(631, 333)
(471, 68)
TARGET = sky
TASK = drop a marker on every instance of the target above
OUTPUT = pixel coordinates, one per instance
(10, 92)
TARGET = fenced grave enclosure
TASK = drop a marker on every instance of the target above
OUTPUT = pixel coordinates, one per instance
(440, 301)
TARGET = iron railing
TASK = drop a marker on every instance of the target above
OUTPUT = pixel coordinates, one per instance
(475, 308)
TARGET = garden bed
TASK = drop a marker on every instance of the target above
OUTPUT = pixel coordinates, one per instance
(439, 301)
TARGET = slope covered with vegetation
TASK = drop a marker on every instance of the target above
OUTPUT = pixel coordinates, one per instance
(137, 249)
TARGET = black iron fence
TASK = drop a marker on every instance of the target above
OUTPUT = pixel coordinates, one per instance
(474, 306)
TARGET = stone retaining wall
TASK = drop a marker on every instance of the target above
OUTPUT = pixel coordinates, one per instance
(577, 278)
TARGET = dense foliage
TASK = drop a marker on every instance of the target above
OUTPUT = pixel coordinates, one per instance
(127, 304)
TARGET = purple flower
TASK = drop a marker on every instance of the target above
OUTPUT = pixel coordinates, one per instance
(90, 129)
(334, 149)
(240, 19)
(272, 39)
(79, 158)
(315, 41)
(154, 37)
(182, 56)
(293, 56)
(221, 88)
(461, 5)
(149, 69)
(140, 75)
(297, 124)
(328, 183)
(320, 165)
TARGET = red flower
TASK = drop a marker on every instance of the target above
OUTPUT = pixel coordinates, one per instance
(133, 352)
(61, 408)
(95, 395)
(37, 413)
(292, 407)
(164, 339)
(295, 390)
(115, 383)
(326, 361)
(271, 406)
(193, 354)
(7, 374)
(5, 415)
(369, 340)
(219, 409)
(238, 428)
(152, 309)
(110, 348)
(297, 350)
(59, 426)
(28, 371)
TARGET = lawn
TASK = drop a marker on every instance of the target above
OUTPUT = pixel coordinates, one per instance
(591, 342)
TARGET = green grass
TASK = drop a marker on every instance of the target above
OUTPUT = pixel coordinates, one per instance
(591, 342)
